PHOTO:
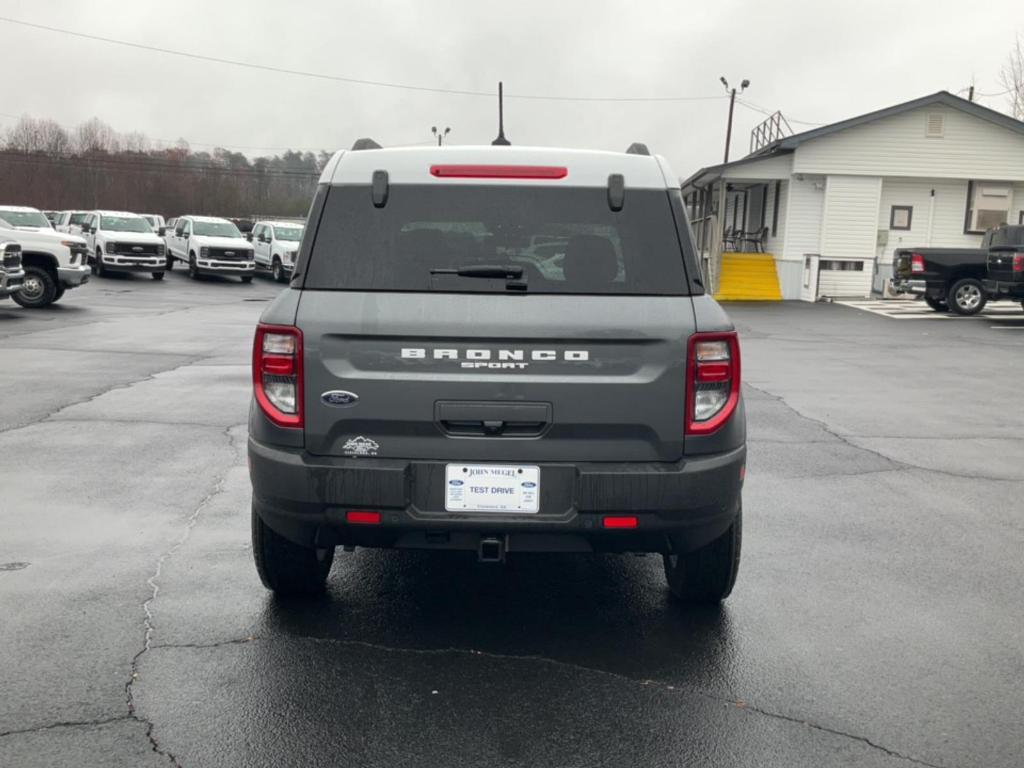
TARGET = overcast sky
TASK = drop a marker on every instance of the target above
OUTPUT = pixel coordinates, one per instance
(816, 61)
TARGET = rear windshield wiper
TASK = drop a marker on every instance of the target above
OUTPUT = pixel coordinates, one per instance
(512, 275)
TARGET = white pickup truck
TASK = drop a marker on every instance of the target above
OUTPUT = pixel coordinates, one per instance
(210, 246)
(123, 242)
(276, 243)
(53, 261)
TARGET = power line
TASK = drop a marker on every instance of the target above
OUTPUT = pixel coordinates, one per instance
(350, 80)
(764, 111)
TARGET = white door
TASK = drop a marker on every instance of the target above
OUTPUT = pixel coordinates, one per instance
(844, 277)
(809, 282)
(261, 244)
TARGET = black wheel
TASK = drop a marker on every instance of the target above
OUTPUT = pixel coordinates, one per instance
(246, 278)
(967, 296)
(193, 271)
(169, 262)
(157, 275)
(707, 575)
(1022, 305)
(59, 294)
(98, 269)
(937, 304)
(39, 289)
(278, 270)
(286, 568)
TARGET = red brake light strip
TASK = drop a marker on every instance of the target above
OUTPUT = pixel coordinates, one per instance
(499, 171)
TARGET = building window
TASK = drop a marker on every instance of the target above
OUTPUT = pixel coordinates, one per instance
(900, 216)
(835, 265)
(988, 205)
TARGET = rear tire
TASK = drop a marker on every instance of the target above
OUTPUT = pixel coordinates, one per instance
(286, 568)
(157, 275)
(39, 289)
(708, 574)
(967, 296)
(937, 304)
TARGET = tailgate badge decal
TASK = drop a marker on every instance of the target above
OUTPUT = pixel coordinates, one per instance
(339, 398)
(360, 446)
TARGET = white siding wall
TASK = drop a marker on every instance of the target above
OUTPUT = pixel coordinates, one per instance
(851, 217)
(849, 231)
(944, 228)
(971, 148)
(804, 207)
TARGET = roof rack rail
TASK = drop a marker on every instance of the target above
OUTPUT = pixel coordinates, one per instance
(638, 148)
(366, 144)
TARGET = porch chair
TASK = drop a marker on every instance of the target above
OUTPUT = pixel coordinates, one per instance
(755, 238)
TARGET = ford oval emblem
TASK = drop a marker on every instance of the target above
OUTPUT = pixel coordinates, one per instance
(339, 398)
(528, 484)
(456, 483)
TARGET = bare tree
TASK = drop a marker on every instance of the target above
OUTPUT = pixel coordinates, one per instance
(1012, 78)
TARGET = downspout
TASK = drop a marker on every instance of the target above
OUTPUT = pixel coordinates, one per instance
(931, 218)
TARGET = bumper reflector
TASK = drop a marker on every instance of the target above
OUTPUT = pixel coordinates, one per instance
(620, 522)
(361, 517)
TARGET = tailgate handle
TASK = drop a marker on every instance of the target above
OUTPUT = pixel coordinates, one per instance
(492, 419)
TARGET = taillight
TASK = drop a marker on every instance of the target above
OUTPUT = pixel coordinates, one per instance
(1018, 262)
(713, 381)
(916, 262)
(499, 171)
(277, 373)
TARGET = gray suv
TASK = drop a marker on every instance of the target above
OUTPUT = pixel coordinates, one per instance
(500, 350)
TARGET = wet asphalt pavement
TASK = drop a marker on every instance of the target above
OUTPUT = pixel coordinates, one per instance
(877, 620)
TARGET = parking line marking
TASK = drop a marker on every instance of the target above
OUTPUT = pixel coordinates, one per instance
(898, 309)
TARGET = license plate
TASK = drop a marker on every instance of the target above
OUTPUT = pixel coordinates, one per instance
(492, 488)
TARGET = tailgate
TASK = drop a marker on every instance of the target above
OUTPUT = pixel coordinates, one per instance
(471, 377)
(1000, 265)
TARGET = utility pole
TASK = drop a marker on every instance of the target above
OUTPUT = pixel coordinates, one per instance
(732, 104)
(440, 135)
(970, 93)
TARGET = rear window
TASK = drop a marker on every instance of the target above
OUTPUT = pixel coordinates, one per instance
(564, 240)
(1008, 236)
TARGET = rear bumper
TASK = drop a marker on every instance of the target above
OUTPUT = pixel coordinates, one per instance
(1003, 288)
(901, 285)
(679, 506)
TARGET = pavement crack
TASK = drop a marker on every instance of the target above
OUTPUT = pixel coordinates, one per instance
(49, 416)
(154, 586)
(671, 688)
(65, 724)
(899, 464)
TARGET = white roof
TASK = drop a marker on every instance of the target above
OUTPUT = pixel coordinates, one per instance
(208, 219)
(122, 214)
(279, 223)
(19, 208)
(411, 165)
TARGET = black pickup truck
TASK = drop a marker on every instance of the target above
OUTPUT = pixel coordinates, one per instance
(1005, 279)
(951, 279)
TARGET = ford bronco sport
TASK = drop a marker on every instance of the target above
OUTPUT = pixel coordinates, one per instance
(432, 380)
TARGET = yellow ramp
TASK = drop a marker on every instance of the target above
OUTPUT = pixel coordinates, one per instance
(748, 277)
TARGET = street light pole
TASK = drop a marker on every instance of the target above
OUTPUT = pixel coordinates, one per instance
(732, 104)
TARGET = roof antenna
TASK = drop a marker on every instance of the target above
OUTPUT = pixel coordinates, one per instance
(501, 141)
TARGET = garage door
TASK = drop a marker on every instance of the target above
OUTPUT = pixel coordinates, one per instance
(845, 277)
